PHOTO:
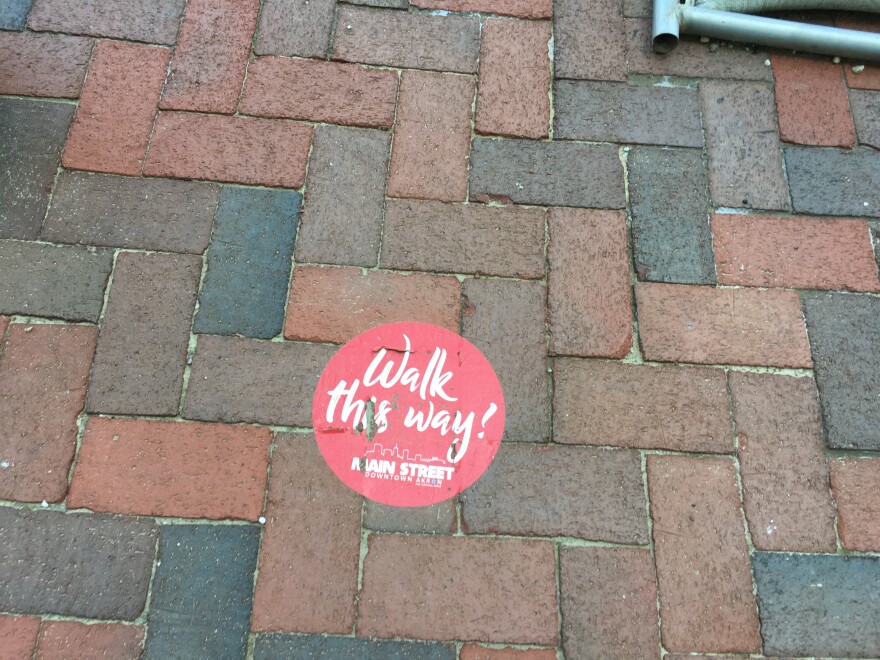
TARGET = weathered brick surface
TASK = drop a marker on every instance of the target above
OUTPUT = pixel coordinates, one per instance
(844, 333)
(464, 238)
(505, 320)
(336, 304)
(856, 486)
(818, 604)
(31, 136)
(246, 380)
(782, 463)
(13, 14)
(322, 647)
(518, 8)
(152, 21)
(248, 263)
(475, 652)
(202, 593)
(429, 159)
(257, 151)
(83, 565)
(117, 109)
(618, 112)
(668, 196)
(141, 351)
(514, 89)
(53, 281)
(614, 511)
(706, 601)
(33, 64)
(691, 58)
(831, 181)
(811, 102)
(588, 40)
(388, 4)
(608, 403)
(18, 636)
(174, 469)
(295, 27)
(408, 40)
(43, 376)
(796, 252)
(211, 55)
(308, 577)
(745, 158)
(433, 519)
(865, 107)
(609, 603)
(71, 640)
(721, 326)
(590, 311)
(320, 91)
(507, 587)
(342, 220)
(128, 212)
(547, 173)
(869, 78)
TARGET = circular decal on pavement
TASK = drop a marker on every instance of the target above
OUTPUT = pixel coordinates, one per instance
(408, 414)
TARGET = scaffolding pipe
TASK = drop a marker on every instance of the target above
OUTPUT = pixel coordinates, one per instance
(672, 18)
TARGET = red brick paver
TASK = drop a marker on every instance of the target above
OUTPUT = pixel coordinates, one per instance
(33, 64)
(726, 326)
(18, 636)
(856, 484)
(43, 375)
(117, 108)
(518, 8)
(448, 587)
(69, 640)
(589, 293)
(182, 469)
(429, 159)
(514, 79)
(334, 304)
(209, 62)
(257, 151)
(796, 252)
(320, 91)
(309, 557)
(784, 473)
(475, 652)
(811, 102)
(706, 601)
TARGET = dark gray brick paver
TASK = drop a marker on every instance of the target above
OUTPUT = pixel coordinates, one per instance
(249, 261)
(844, 332)
(618, 112)
(203, 592)
(547, 173)
(54, 281)
(342, 220)
(248, 380)
(13, 14)
(295, 28)
(141, 354)
(130, 212)
(32, 134)
(865, 106)
(818, 605)
(834, 181)
(672, 240)
(742, 136)
(318, 647)
(86, 565)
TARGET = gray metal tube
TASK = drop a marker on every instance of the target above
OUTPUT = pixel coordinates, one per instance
(854, 44)
(665, 25)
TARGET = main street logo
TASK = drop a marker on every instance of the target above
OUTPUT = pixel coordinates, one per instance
(408, 414)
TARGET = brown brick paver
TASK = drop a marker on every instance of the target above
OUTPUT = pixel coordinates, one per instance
(643, 246)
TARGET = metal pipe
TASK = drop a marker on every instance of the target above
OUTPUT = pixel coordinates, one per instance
(731, 26)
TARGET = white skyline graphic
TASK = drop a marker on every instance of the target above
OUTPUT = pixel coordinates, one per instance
(380, 451)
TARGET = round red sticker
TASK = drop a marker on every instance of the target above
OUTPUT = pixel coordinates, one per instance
(408, 414)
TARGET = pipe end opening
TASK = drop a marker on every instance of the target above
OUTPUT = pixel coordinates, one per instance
(665, 42)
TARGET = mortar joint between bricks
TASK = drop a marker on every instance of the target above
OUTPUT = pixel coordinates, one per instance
(643, 462)
(558, 575)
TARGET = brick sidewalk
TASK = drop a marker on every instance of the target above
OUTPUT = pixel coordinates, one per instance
(671, 262)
